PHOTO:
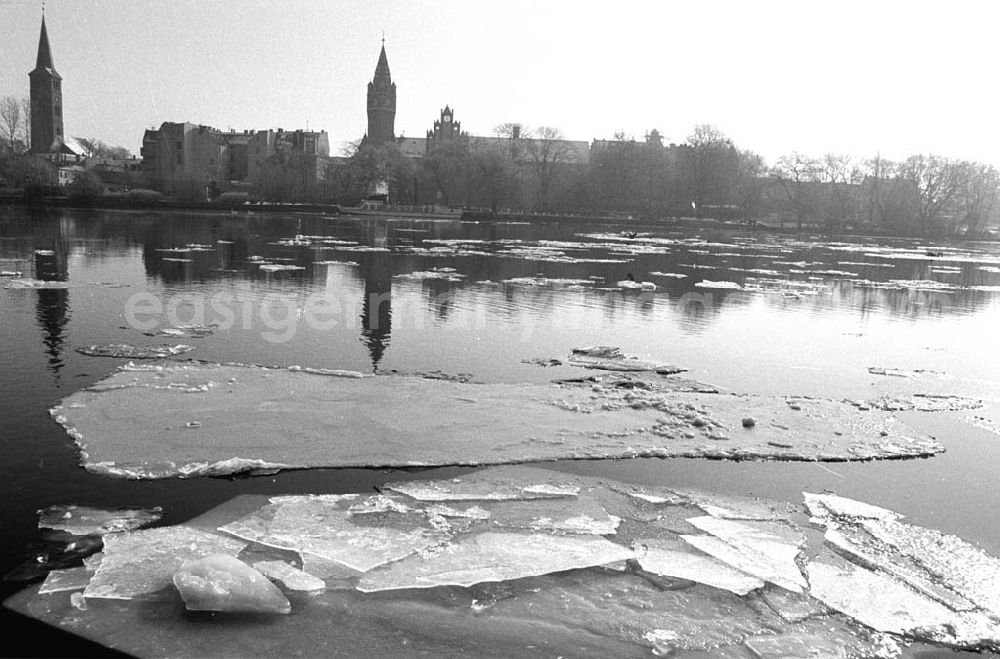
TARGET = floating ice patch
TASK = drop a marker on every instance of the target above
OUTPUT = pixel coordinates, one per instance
(722, 285)
(84, 520)
(276, 267)
(128, 351)
(35, 283)
(672, 275)
(444, 274)
(637, 285)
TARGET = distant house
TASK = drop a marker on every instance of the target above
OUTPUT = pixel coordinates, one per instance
(67, 173)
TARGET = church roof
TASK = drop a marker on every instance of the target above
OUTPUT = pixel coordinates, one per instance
(44, 61)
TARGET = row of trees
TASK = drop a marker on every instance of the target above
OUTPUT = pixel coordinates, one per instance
(706, 176)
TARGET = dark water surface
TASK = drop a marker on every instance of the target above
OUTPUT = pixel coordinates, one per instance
(810, 318)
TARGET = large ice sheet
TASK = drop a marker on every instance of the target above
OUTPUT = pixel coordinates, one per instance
(143, 562)
(493, 557)
(186, 419)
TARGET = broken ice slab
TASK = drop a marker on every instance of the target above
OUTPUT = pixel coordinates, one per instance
(143, 562)
(609, 358)
(941, 566)
(74, 578)
(127, 424)
(219, 582)
(667, 559)
(885, 604)
(128, 351)
(493, 557)
(290, 577)
(275, 267)
(767, 550)
(84, 520)
(322, 526)
(477, 487)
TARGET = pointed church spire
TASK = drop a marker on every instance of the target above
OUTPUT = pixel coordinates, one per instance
(382, 68)
(44, 60)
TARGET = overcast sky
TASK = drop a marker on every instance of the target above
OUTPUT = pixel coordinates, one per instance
(849, 77)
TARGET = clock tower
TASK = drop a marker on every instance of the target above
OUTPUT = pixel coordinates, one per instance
(46, 99)
(381, 103)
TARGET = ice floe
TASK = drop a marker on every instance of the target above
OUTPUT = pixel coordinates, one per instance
(84, 520)
(128, 351)
(234, 413)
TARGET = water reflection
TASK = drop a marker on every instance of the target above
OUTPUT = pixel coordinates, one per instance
(376, 308)
(52, 305)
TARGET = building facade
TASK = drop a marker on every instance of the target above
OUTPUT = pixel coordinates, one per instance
(46, 99)
(193, 160)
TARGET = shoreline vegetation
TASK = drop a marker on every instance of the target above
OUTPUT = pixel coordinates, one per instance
(125, 202)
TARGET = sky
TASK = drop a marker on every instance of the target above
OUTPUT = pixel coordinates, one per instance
(856, 78)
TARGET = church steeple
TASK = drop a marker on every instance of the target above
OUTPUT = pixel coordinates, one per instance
(381, 103)
(44, 60)
(46, 98)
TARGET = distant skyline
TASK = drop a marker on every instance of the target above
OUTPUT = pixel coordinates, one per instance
(896, 78)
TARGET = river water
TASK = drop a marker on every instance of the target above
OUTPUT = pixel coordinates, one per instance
(787, 315)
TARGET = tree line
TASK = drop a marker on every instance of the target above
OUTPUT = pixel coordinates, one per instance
(706, 176)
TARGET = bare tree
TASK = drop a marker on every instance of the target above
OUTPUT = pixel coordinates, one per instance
(977, 197)
(799, 177)
(932, 182)
(712, 167)
(546, 150)
(751, 180)
(12, 122)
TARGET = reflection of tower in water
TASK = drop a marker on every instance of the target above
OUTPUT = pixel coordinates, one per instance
(52, 305)
(376, 309)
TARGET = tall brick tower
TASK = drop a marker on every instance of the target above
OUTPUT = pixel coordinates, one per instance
(381, 103)
(46, 98)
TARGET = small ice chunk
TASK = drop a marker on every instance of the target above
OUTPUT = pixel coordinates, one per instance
(494, 557)
(220, 582)
(663, 558)
(291, 577)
